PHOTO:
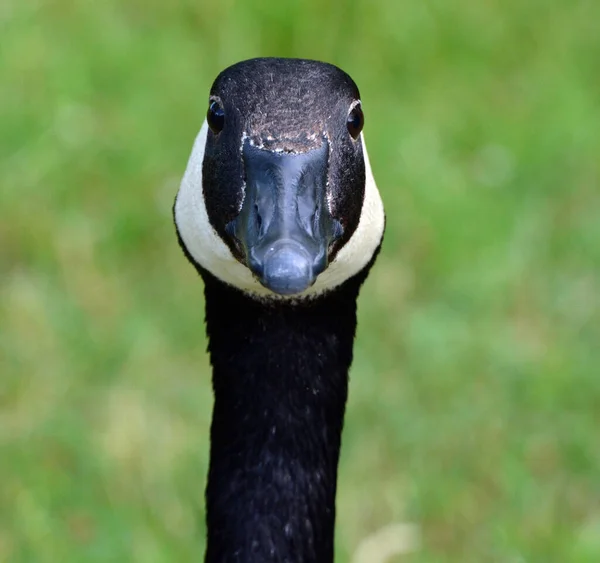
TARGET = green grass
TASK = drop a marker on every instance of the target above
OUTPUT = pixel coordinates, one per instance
(475, 392)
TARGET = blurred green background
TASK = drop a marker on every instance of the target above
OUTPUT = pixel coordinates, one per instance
(475, 393)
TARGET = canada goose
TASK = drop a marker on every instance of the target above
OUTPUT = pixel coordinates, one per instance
(279, 213)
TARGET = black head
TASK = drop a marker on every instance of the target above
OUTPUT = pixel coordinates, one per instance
(283, 168)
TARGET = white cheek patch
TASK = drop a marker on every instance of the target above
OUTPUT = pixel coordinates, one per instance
(209, 251)
(359, 250)
(202, 242)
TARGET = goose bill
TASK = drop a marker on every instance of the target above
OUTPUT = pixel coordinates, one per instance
(284, 228)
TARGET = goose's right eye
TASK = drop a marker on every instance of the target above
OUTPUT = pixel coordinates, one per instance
(215, 116)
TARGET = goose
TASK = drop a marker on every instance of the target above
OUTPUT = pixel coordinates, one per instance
(280, 215)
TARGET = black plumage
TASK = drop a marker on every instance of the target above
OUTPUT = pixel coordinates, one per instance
(280, 362)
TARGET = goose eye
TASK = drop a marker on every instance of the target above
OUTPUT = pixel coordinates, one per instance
(215, 116)
(355, 122)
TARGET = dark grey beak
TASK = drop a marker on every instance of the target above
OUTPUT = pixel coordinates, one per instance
(285, 228)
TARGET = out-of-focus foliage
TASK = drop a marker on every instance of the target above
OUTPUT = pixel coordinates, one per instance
(475, 392)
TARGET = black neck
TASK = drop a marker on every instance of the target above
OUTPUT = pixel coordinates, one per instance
(280, 378)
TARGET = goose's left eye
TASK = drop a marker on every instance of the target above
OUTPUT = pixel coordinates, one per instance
(355, 122)
(215, 116)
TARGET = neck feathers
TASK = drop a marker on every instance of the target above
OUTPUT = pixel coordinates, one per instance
(280, 382)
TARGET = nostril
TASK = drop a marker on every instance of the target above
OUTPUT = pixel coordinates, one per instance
(258, 218)
(315, 218)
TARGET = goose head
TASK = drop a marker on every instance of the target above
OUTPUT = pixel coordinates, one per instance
(278, 198)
